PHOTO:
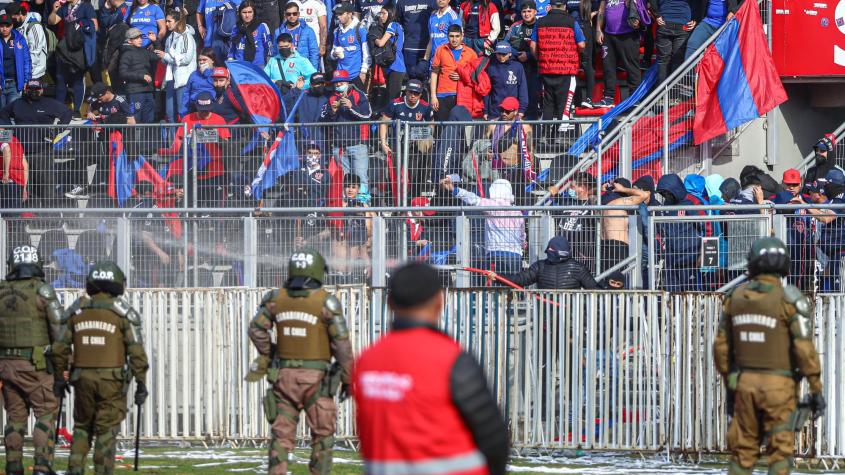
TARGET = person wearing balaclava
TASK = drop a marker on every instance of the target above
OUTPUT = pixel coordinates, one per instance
(681, 239)
(558, 271)
(823, 161)
(504, 234)
(751, 192)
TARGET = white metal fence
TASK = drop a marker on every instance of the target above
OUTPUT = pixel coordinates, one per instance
(593, 370)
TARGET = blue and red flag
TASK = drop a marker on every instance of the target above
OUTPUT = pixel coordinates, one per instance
(280, 159)
(737, 79)
(255, 93)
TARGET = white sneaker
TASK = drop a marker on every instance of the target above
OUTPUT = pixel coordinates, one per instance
(78, 193)
(566, 127)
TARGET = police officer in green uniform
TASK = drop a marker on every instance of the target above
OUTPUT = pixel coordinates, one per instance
(30, 319)
(310, 329)
(764, 347)
(104, 332)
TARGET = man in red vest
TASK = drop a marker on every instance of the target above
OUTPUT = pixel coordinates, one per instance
(423, 403)
(558, 42)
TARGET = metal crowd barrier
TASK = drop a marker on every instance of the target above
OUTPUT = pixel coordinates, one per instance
(629, 371)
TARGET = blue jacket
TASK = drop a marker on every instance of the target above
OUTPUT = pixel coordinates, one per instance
(197, 82)
(506, 79)
(23, 62)
(304, 39)
(681, 240)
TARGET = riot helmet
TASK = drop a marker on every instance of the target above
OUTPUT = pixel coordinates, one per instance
(306, 269)
(24, 262)
(768, 255)
(105, 276)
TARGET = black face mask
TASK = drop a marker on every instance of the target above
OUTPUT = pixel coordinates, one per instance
(284, 52)
(17, 24)
(668, 198)
(33, 95)
(820, 158)
(219, 91)
(318, 90)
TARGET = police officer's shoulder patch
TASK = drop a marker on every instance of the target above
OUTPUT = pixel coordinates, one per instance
(269, 295)
(47, 292)
(74, 308)
(333, 305)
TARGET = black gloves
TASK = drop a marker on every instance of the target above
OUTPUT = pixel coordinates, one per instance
(818, 405)
(140, 392)
(60, 387)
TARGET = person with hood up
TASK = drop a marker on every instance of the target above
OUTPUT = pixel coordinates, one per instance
(681, 240)
(823, 161)
(645, 183)
(504, 230)
(29, 25)
(696, 185)
(752, 190)
(507, 79)
(558, 271)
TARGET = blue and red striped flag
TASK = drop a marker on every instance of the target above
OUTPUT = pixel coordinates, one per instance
(280, 159)
(125, 173)
(737, 79)
(255, 92)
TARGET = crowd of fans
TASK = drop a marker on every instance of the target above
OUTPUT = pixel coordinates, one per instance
(145, 62)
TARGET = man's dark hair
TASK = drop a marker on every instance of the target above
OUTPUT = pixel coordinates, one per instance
(455, 29)
(291, 5)
(286, 37)
(412, 285)
(584, 179)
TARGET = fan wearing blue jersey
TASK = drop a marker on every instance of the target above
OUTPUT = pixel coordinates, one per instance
(438, 27)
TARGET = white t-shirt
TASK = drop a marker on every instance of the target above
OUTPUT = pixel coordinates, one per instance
(311, 11)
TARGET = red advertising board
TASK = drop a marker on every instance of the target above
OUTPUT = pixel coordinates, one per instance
(808, 38)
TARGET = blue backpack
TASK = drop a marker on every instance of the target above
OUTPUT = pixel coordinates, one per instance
(225, 18)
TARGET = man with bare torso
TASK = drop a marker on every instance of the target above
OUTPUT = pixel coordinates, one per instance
(614, 223)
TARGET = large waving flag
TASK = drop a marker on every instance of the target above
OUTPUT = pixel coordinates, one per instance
(280, 159)
(255, 92)
(737, 79)
(125, 173)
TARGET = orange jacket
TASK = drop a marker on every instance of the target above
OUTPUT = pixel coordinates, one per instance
(445, 61)
(474, 85)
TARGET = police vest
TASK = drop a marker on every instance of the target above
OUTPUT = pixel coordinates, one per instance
(760, 336)
(557, 51)
(98, 336)
(405, 415)
(301, 331)
(22, 323)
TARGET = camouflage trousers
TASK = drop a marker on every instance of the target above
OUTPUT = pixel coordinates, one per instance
(763, 406)
(24, 387)
(99, 408)
(295, 390)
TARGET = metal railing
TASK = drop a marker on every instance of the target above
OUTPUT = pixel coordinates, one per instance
(623, 370)
(699, 248)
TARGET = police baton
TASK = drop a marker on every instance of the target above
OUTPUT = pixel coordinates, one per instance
(59, 419)
(137, 435)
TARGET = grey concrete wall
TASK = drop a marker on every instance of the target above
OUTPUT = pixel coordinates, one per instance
(800, 122)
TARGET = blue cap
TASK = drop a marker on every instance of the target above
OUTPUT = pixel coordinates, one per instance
(835, 176)
(503, 47)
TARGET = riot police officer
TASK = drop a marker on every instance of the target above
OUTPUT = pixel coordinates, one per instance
(30, 319)
(310, 329)
(763, 348)
(105, 334)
